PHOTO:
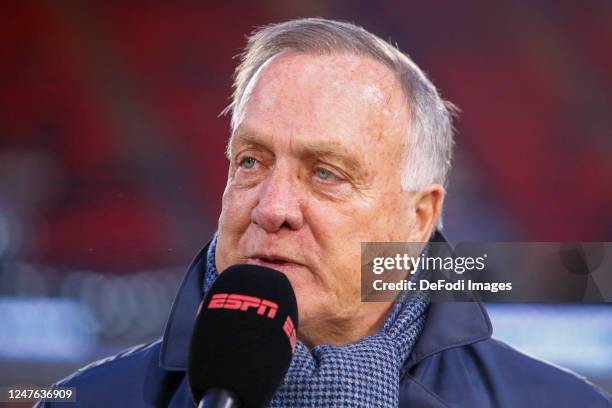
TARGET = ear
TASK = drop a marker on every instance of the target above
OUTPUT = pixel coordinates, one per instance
(427, 208)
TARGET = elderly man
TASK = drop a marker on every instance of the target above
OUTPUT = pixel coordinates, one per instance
(338, 138)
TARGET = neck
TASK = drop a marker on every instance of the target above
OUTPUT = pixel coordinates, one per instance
(315, 332)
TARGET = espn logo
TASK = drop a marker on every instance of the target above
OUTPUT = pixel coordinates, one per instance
(235, 301)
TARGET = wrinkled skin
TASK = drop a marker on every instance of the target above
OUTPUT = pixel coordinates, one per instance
(315, 169)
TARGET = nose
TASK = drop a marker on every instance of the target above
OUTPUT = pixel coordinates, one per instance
(279, 203)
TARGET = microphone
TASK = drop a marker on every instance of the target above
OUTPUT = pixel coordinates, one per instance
(243, 339)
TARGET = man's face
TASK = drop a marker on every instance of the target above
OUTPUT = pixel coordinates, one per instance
(316, 164)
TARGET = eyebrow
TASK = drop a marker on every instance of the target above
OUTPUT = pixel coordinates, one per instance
(244, 136)
(329, 153)
(326, 150)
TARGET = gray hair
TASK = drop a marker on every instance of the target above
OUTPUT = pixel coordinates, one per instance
(430, 141)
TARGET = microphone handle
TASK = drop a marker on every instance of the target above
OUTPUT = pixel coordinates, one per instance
(219, 398)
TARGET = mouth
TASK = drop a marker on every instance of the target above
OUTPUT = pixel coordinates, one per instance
(274, 262)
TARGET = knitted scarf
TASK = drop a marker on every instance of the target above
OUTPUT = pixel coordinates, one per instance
(362, 374)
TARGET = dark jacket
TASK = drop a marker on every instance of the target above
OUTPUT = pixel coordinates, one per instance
(455, 363)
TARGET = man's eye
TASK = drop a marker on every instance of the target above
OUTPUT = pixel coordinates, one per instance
(324, 174)
(247, 162)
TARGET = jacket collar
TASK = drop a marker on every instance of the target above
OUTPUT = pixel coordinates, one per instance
(448, 324)
(175, 344)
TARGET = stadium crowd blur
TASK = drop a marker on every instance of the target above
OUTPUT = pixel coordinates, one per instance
(112, 151)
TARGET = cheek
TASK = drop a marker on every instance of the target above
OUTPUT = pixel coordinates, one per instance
(347, 224)
(235, 210)
(329, 223)
(338, 231)
(234, 220)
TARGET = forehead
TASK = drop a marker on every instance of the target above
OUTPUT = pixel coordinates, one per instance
(341, 99)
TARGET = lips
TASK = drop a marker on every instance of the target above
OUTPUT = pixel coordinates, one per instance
(276, 259)
(273, 261)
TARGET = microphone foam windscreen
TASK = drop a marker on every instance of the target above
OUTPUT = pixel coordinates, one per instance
(244, 335)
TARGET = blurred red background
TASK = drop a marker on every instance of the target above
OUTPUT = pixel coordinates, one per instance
(111, 148)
